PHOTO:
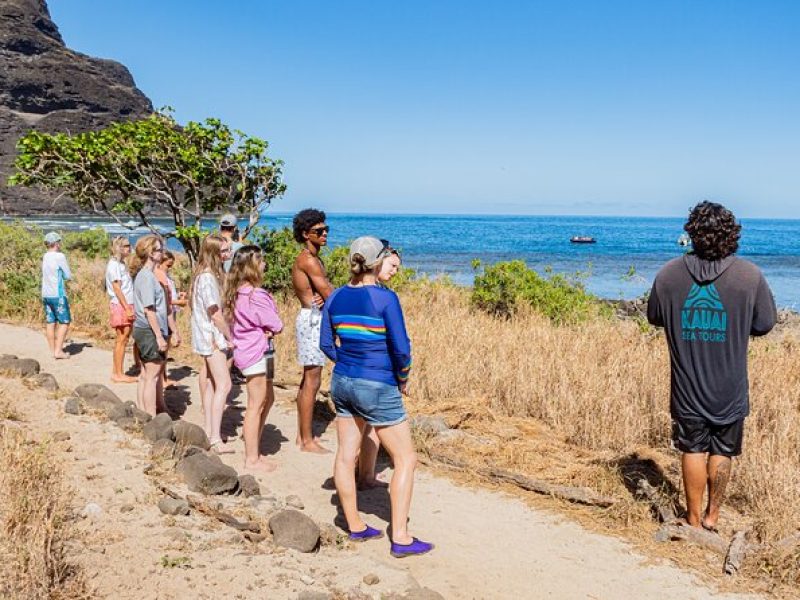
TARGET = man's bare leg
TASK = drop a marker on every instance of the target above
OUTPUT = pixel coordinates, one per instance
(50, 334)
(695, 479)
(61, 335)
(719, 474)
(306, 396)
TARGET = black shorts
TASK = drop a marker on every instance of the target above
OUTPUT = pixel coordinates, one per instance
(698, 435)
(148, 345)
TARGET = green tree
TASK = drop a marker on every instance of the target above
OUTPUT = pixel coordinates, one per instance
(154, 166)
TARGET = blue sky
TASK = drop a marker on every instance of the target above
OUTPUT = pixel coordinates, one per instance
(579, 107)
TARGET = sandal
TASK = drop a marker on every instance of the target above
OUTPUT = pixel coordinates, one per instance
(369, 533)
(415, 548)
(220, 447)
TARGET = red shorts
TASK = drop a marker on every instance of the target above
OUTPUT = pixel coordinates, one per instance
(118, 316)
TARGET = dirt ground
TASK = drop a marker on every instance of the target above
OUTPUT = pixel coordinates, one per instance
(488, 545)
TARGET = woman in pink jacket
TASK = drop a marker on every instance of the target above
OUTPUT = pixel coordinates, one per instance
(254, 321)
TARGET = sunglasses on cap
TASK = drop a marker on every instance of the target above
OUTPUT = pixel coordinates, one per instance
(387, 248)
(319, 231)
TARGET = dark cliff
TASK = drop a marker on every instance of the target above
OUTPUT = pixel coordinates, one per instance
(46, 86)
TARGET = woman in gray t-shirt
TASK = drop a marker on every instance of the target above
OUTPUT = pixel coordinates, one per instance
(150, 326)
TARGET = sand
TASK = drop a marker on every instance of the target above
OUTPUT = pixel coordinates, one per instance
(488, 545)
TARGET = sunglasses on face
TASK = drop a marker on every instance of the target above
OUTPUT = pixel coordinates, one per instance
(320, 231)
(387, 249)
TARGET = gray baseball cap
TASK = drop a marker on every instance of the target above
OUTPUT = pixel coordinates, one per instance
(52, 238)
(371, 248)
(228, 220)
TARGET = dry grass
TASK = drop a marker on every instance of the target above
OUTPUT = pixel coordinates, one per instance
(36, 523)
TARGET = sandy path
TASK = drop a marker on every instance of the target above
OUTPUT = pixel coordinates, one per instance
(488, 545)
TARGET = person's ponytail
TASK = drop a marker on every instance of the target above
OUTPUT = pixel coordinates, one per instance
(358, 264)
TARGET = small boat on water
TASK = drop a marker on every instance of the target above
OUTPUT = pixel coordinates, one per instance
(582, 239)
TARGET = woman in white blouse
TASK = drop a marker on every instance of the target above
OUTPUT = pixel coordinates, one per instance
(119, 287)
(211, 337)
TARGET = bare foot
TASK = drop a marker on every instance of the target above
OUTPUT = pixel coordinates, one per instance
(262, 465)
(370, 484)
(60, 355)
(314, 447)
(298, 441)
(123, 379)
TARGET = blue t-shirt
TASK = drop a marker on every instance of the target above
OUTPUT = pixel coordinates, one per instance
(373, 343)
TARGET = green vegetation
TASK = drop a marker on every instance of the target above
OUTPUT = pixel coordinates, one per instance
(503, 288)
(173, 562)
(155, 166)
(280, 252)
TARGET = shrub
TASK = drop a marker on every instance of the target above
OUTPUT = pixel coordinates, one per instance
(21, 250)
(92, 242)
(503, 288)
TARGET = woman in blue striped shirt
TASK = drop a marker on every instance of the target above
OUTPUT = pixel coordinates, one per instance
(373, 361)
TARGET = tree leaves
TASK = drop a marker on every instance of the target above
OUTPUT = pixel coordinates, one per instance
(155, 166)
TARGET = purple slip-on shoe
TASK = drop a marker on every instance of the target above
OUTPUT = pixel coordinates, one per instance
(413, 549)
(369, 533)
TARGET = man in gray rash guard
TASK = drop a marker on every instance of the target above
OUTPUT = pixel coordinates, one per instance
(709, 302)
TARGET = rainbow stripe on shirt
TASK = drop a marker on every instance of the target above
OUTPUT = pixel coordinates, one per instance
(359, 327)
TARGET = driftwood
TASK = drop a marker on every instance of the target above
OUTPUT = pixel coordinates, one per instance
(695, 535)
(662, 505)
(572, 494)
(220, 515)
(737, 551)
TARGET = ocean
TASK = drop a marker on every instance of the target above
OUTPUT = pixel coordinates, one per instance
(621, 264)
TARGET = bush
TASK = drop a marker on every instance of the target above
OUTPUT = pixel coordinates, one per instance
(503, 288)
(91, 243)
(21, 250)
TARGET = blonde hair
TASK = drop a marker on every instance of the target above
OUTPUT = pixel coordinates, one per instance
(142, 251)
(209, 260)
(244, 270)
(359, 266)
(116, 246)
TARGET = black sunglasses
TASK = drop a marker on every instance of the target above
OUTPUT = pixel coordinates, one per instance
(387, 248)
(320, 230)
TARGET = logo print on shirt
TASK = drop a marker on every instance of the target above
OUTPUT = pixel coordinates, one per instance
(703, 317)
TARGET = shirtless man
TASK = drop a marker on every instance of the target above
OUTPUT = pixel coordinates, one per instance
(311, 286)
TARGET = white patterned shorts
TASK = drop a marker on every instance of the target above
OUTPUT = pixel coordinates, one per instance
(307, 327)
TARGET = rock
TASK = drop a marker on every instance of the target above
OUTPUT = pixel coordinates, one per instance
(207, 474)
(19, 367)
(127, 410)
(92, 511)
(371, 579)
(249, 486)
(159, 428)
(61, 436)
(126, 508)
(73, 406)
(45, 381)
(127, 424)
(46, 86)
(295, 502)
(329, 535)
(189, 434)
(98, 397)
(173, 506)
(307, 579)
(293, 529)
(162, 450)
(430, 425)
(188, 451)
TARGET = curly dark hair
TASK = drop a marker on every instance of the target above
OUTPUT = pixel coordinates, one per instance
(304, 221)
(714, 231)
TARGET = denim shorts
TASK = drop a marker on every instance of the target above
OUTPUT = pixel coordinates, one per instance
(56, 310)
(379, 404)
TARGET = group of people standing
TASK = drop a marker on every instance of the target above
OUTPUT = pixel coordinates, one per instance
(233, 323)
(709, 302)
